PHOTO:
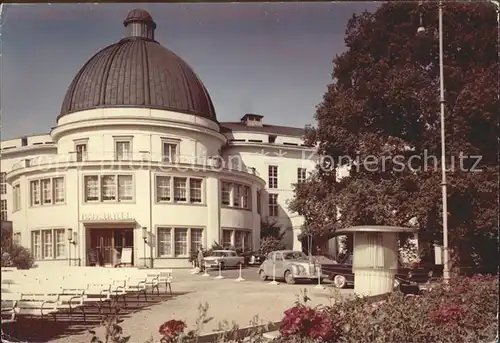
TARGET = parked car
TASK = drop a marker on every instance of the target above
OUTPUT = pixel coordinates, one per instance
(253, 258)
(342, 275)
(224, 258)
(325, 259)
(288, 265)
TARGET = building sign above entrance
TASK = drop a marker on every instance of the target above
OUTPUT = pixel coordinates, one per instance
(107, 216)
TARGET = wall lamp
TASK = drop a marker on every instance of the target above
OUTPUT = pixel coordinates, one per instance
(145, 234)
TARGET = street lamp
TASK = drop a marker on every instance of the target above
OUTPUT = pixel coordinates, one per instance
(145, 239)
(421, 29)
(69, 236)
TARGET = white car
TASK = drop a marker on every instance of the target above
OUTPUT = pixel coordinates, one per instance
(224, 258)
(290, 266)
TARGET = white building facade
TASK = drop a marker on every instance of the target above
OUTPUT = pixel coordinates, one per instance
(138, 160)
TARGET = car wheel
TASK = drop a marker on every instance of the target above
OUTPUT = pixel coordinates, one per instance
(339, 281)
(262, 276)
(289, 278)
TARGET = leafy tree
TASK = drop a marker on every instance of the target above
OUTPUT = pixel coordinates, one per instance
(271, 236)
(271, 228)
(382, 111)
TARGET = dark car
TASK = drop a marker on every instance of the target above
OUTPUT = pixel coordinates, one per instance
(253, 258)
(342, 275)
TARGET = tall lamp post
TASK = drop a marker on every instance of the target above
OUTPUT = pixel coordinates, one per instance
(446, 255)
(145, 239)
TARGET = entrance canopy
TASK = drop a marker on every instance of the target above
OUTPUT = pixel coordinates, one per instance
(120, 223)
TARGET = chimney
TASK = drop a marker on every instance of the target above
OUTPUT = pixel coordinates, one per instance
(250, 119)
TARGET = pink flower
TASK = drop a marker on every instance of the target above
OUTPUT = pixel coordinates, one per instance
(172, 329)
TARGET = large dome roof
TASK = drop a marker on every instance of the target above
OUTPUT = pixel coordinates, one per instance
(138, 72)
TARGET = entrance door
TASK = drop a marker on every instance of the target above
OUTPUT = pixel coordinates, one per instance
(109, 243)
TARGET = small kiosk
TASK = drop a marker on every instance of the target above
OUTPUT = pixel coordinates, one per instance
(375, 257)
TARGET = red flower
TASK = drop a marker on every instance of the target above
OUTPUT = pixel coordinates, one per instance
(304, 321)
(172, 328)
(447, 314)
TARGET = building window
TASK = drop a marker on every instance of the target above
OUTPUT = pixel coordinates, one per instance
(164, 242)
(60, 243)
(109, 188)
(273, 177)
(301, 175)
(169, 152)
(259, 201)
(16, 192)
(3, 184)
(91, 187)
(239, 239)
(3, 209)
(163, 192)
(196, 239)
(58, 190)
(273, 205)
(81, 152)
(227, 238)
(180, 191)
(195, 190)
(226, 193)
(47, 191)
(125, 188)
(247, 241)
(35, 192)
(236, 195)
(123, 149)
(247, 197)
(36, 245)
(181, 242)
(16, 238)
(48, 244)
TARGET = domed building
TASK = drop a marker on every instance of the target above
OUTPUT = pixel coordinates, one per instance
(139, 165)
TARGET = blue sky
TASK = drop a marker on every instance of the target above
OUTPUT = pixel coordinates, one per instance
(274, 59)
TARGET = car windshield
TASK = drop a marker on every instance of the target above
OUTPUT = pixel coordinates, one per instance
(295, 255)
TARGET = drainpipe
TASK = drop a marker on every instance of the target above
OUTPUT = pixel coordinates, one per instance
(81, 242)
(150, 172)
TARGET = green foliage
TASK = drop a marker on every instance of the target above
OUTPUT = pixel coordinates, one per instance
(271, 228)
(384, 103)
(269, 244)
(14, 255)
(271, 236)
(463, 311)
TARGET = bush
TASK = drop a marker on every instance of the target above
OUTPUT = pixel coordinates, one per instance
(14, 255)
(269, 244)
(463, 311)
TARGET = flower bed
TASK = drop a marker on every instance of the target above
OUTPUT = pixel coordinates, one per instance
(465, 310)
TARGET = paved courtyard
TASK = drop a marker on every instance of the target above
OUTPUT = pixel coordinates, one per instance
(227, 300)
